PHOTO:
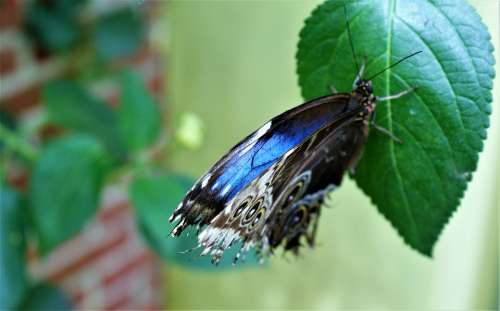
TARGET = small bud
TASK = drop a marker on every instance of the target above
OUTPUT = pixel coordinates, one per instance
(189, 133)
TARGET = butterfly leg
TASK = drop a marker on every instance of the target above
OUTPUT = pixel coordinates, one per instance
(385, 98)
(395, 96)
(383, 130)
(387, 132)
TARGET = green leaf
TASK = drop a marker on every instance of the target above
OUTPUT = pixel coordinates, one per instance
(45, 297)
(65, 187)
(118, 34)
(70, 106)
(7, 122)
(416, 185)
(154, 199)
(54, 27)
(138, 114)
(13, 282)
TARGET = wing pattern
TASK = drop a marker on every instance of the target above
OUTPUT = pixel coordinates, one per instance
(268, 190)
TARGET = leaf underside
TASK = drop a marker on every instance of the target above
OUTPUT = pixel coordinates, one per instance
(416, 185)
(154, 199)
(65, 188)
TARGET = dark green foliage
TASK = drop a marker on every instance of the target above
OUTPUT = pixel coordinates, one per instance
(118, 34)
(13, 282)
(416, 185)
(45, 297)
(8, 122)
(138, 114)
(71, 107)
(54, 25)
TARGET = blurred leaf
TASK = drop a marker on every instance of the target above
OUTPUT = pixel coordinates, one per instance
(154, 198)
(189, 133)
(70, 8)
(118, 34)
(65, 187)
(416, 185)
(45, 297)
(13, 282)
(70, 106)
(12, 144)
(54, 24)
(138, 114)
(8, 121)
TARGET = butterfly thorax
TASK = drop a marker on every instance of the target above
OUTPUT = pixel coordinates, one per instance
(363, 94)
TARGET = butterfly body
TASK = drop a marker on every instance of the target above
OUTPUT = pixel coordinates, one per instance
(268, 189)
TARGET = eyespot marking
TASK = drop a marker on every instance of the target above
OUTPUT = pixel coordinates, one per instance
(252, 211)
(298, 216)
(259, 216)
(241, 207)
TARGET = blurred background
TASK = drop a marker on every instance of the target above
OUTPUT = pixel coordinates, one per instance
(110, 110)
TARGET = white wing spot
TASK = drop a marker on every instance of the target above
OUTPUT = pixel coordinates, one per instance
(251, 142)
(262, 130)
(205, 179)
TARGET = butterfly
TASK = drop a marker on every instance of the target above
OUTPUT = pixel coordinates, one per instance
(267, 191)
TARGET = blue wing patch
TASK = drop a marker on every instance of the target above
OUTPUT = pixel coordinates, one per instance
(264, 147)
(262, 152)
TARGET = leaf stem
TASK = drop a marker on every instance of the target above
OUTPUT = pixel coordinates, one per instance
(18, 145)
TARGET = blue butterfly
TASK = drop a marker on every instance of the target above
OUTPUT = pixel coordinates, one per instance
(268, 190)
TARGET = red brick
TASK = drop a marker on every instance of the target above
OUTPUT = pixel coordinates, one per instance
(156, 84)
(10, 13)
(23, 100)
(49, 131)
(88, 257)
(7, 62)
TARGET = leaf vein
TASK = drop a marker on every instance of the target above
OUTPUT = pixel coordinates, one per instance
(392, 6)
(458, 109)
(419, 98)
(339, 38)
(465, 48)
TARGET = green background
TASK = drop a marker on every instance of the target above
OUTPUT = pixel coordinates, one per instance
(233, 63)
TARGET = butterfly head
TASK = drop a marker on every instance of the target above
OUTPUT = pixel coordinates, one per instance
(364, 88)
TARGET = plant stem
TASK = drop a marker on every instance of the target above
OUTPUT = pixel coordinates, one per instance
(16, 144)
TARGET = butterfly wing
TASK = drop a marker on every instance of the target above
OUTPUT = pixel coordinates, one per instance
(253, 189)
(251, 157)
(283, 204)
(322, 164)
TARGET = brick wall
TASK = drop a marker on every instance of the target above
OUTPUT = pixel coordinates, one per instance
(106, 266)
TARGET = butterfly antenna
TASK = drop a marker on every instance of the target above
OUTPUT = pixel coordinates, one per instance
(350, 39)
(395, 64)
